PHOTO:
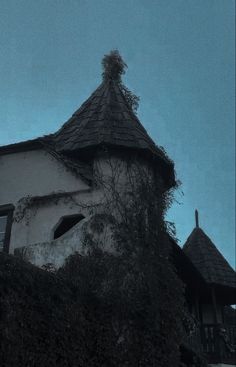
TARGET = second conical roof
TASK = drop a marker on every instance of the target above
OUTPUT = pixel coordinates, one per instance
(208, 259)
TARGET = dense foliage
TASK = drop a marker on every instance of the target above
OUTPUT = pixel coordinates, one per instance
(113, 68)
(35, 317)
(93, 312)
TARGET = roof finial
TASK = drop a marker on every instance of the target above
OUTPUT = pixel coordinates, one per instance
(113, 66)
(196, 218)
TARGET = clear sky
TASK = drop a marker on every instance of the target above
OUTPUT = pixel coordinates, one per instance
(180, 55)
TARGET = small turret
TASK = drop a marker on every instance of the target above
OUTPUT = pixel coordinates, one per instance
(208, 259)
(107, 120)
(219, 290)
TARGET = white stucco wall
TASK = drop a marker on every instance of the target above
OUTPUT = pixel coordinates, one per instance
(124, 173)
(54, 252)
(59, 193)
(36, 173)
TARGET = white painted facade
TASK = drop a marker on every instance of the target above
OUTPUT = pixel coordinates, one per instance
(55, 252)
(59, 193)
(37, 173)
(34, 173)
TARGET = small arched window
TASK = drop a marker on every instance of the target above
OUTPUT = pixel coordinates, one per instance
(66, 223)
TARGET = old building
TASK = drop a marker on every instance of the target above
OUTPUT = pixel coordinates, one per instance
(210, 290)
(49, 194)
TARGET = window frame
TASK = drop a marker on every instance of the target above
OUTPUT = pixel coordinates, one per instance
(58, 224)
(7, 210)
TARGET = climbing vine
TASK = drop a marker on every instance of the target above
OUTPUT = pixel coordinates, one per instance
(113, 68)
(28, 205)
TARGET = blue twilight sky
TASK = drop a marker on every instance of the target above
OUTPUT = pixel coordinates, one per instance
(180, 55)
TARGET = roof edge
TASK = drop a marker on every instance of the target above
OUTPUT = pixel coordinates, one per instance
(166, 164)
(22, 146)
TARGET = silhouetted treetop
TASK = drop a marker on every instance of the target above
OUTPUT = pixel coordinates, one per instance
(113, 66)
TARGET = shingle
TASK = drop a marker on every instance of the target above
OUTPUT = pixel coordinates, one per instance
(106, 118)
(208, 260)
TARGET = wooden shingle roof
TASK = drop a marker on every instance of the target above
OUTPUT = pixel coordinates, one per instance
(106, 119)
(208, 260)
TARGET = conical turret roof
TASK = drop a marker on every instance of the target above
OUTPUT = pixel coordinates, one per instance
(208, 260)
(106, 119)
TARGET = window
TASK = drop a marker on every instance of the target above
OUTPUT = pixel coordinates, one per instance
(66, 223)
(6, 212)
(3, 225)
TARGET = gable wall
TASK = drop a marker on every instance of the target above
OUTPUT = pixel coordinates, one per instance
(36, 173)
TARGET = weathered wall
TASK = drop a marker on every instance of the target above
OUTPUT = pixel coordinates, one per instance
(125, 171)
(34, 173)
(59, 193)
(30, 174)
(54, 252)
(39, 220)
